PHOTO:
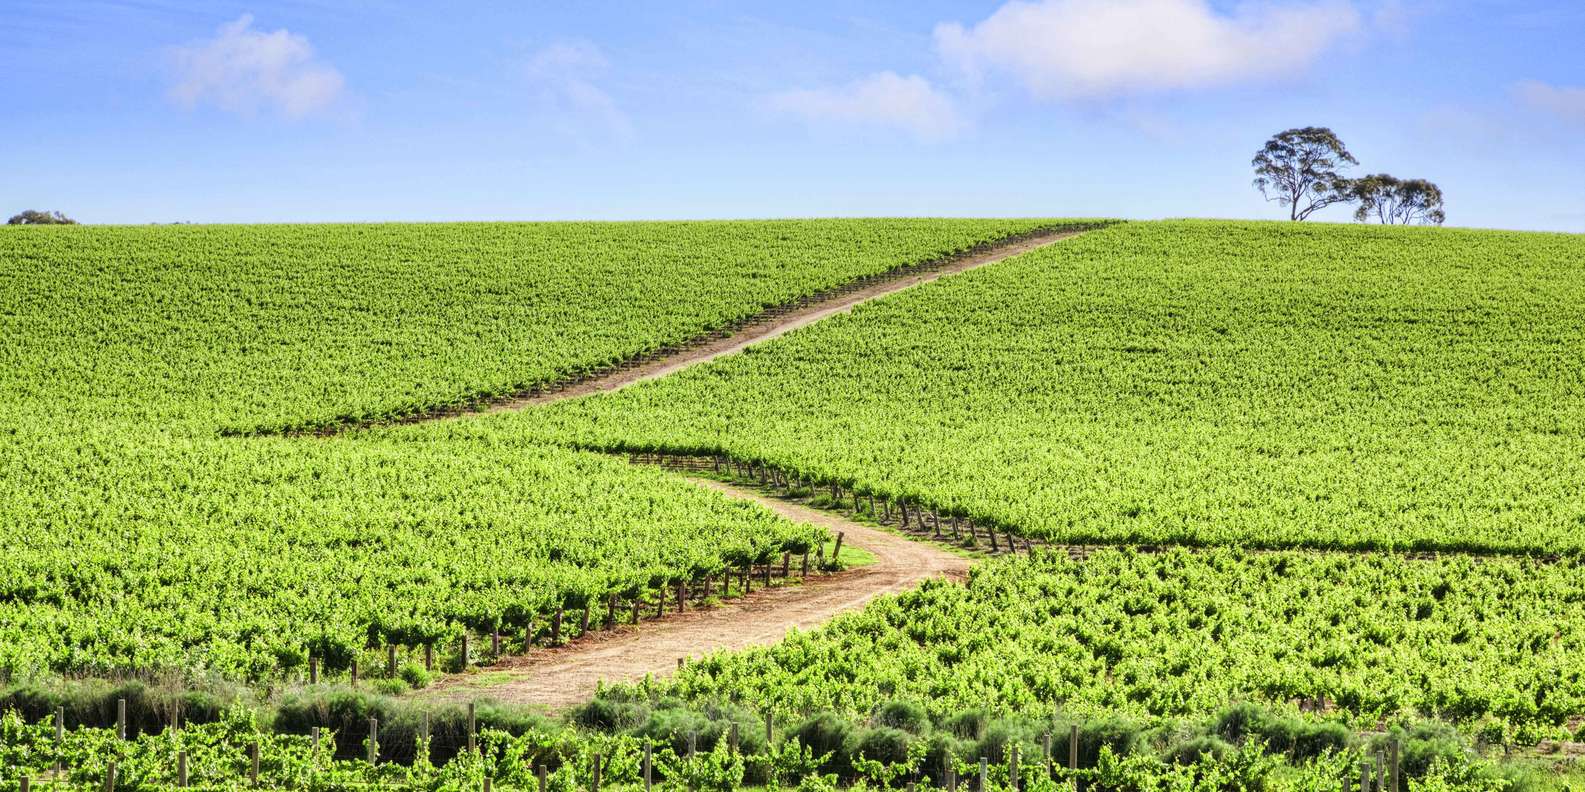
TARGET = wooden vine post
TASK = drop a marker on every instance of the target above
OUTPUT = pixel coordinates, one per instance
(1012, 766)
(60, 737)
(837, 551)
(648, 767)
(374, 741)
(1073, 754)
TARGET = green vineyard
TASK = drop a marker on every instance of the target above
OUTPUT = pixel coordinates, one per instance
(1187, 383)
(1222, 506)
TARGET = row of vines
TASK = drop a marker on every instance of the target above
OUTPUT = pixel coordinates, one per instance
(1190, 383)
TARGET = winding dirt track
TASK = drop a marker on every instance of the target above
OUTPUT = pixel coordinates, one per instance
(774, 324)
(560, 677)
(563, 676)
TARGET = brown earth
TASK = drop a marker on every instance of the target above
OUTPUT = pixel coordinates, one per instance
(563, 676)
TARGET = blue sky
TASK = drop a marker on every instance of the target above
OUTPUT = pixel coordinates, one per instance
(130, 112)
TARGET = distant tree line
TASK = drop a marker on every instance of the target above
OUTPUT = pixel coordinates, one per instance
(1302, 169)
(36, 217)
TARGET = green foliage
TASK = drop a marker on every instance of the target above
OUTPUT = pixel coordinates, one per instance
(1196, 383)
(1390, 200)
(1130, 634)
(37, 217)
(1301, 168)
(149, 542)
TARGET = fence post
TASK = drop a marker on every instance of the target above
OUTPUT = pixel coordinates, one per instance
(354, 673)
(424, 735)
(374, 738)
(1073, 754)
(836, 551)
(110, 776)
(1012, 767)
(181, 769)
(770, 729)
(23, 784)
(1045, 749)
(985, 779)
(314, 739)
(253, 758)
(540, 771)
(495, 643)
(121, 719)
(313, 670)
(610, 611)
(487, 784)
(464, 662)
(1392, 749)
(693, 744)
(555, 625)
(390, 660)
(429, 657)
(60, 737)
(732, 740)
(648, 780)
(472, 728)
(594, 785)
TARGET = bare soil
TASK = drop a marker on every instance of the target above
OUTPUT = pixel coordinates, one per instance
(560, 677)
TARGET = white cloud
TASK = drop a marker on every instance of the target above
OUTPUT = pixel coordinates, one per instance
(884, 99)
(1064, 49)
(1567, 103)
(565, 75)
(242, 70)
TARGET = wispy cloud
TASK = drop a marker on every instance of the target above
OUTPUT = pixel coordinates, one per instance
(1065, 49)
(885, 99)
(566, 75)
(243, 70)
(1565, 102)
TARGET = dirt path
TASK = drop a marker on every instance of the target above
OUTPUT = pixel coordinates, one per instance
(567, 675)
(776, 322)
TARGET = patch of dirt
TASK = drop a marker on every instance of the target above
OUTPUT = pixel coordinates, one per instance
(563, 676)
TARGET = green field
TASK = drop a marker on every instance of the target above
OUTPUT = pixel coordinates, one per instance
(144, 540)
(202, 328)
(1254, 421)
(1193, 383)
(1182, 633)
